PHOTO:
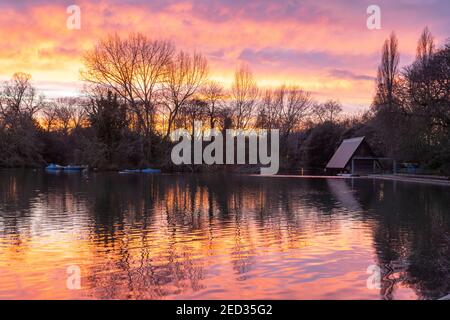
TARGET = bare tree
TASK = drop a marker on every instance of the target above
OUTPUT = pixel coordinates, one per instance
(19, 104)
(294, 104)
(388, 105)
(19, 99)
(64, 116)
(194, 110)
(425, 46)
(185, 75)
(426, 84)
(244, 95)
(70, 113)
(388, 72)
(134, 69)
(79, 114)
(284, 108)
(269, 114)
(213, 94)
(49, 116)
(328, 111)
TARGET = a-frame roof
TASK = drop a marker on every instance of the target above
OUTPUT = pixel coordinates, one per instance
(344, 153)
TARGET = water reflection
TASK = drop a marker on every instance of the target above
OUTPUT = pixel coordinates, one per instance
(214, 236)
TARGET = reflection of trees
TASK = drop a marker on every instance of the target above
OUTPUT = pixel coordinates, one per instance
(153, 236)
(411, 236)
(158, 236)
(25, 194)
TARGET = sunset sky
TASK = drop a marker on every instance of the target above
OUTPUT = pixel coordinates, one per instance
(323, 46)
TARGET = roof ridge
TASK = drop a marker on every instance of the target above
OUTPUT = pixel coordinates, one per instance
(354, 138)
(344, 152)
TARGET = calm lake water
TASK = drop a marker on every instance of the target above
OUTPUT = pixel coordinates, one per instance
(220, 237)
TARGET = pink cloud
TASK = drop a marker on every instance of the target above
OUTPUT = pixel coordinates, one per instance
(322, 45)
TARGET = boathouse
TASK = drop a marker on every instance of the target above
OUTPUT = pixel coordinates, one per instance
(354, 156)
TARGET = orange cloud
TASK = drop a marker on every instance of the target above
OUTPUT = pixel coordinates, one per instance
(296, 42)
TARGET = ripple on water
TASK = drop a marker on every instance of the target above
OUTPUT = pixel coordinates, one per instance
(208, 237)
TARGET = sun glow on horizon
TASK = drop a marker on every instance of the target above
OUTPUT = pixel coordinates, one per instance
(324, 48)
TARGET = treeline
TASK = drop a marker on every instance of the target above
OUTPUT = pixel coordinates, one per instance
(139, 90)
(411, 108)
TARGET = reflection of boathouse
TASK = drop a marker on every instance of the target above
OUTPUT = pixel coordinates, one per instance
(354, 156)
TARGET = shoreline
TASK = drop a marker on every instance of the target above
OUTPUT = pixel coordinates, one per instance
(430, 180)
(439, 180)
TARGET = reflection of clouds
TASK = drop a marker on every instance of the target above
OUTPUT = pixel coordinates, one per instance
(182, 236)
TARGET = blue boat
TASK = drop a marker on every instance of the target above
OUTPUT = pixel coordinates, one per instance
(148, 170)
(74, 168)
(55, 167)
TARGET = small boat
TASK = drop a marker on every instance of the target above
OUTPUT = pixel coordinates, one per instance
(147, 170)
(74, 168)
(129, 171)
(55, 167)
(150, 170)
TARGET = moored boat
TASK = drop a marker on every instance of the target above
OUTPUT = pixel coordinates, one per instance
(150, 170)
(56, 167)
(74, 168)
(147, 170)
(129, 171)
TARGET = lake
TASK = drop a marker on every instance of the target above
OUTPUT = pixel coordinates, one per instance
(221, 237)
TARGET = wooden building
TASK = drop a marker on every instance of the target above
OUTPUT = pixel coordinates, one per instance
(354, 156)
